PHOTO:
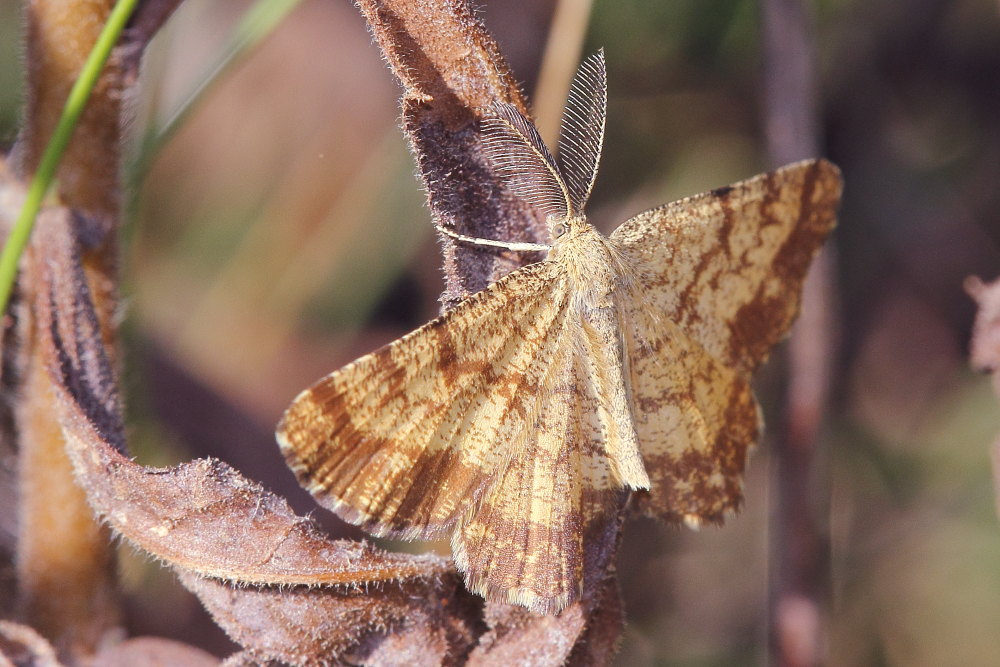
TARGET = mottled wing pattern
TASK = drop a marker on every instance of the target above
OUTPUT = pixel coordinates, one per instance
(696, 419)
(523, 544)
(721, 277)
(727, 266)
(404, 440)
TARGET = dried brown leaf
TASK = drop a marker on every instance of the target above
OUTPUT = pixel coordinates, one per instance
(203, 518)
(154, 652)
(418, 621)
(22, 646)
(201, 515)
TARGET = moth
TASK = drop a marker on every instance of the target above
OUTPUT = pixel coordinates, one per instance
(619, 363)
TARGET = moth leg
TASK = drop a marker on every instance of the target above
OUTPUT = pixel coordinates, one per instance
(507, 245)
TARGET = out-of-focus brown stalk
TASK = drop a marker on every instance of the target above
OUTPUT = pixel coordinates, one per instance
(562, 55)
(799, 545)
(984, 351)
(64, 562)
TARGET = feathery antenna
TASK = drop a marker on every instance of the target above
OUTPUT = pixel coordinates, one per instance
(517, 151)
(515, 148)
(582, 135)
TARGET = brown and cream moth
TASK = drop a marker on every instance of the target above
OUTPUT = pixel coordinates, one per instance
(618, 362)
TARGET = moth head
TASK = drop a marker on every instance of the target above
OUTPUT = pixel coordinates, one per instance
(558, 225)
(566, 225)
(558, 188)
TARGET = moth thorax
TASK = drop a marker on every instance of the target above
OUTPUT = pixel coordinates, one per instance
(591, 263)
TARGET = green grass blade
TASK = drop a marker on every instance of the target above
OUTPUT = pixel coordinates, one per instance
(256, 24)
(45, 174)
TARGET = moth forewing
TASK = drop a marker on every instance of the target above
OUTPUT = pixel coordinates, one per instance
(404, 440)
(602, 348)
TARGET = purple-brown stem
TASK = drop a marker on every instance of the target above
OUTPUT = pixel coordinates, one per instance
(799, 544)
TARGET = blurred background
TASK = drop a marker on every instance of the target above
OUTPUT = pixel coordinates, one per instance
(278, 231)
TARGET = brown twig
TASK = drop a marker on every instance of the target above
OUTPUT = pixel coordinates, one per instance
(799, 547)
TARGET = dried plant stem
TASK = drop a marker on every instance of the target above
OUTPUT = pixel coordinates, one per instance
(66, 583)
(799, 545)
(562, 55)
(64, 563)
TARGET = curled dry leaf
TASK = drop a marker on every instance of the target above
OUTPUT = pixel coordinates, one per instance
(21, 645)
(414, 622)
(206, 520)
